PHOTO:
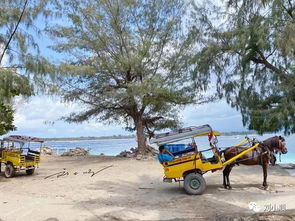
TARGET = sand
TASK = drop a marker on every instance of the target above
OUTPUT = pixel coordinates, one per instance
(130, 189)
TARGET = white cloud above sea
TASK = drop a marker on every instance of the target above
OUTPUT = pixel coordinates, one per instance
(31, 117)
(40, 116)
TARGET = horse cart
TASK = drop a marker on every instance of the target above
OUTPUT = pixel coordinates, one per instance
(190, 164)
(16, 154)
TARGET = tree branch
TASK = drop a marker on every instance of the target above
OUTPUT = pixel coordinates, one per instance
(12, 34)
(288, 10)
(269, 66)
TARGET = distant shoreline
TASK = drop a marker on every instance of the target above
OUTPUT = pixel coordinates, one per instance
(88, 138)
(244, 133)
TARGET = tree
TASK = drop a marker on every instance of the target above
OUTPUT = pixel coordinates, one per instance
(11, 85)
(250, 46)
(126, 62)
(16, 19)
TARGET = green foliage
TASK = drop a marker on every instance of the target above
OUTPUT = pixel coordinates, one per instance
(125, 62)
(250, 47)
(22, 42)
(11, 85)
(6, 119)
(16, 44)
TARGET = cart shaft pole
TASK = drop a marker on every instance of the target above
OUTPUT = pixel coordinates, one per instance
(240, 154)
(241, 143)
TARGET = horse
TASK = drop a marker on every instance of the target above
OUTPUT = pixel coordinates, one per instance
(261, 155)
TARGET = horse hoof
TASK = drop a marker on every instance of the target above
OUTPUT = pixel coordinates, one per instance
(265, 187)
(227, 187)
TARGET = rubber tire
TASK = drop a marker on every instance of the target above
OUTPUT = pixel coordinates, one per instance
(197, 179)
(30, 171)
(9, 171)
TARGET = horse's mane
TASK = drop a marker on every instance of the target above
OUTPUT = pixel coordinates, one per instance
(271, 142)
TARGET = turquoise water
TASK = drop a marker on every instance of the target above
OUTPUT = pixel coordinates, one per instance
(286, 158)
(115, 146)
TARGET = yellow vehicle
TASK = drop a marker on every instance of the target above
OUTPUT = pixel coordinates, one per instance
(190, 164)
(16, 154)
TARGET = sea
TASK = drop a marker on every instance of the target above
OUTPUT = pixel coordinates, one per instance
(113, 147)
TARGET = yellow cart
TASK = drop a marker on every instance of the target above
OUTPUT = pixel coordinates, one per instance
(191, 165)
(16, 154)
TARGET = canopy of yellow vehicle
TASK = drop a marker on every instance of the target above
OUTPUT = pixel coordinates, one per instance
(182, 134)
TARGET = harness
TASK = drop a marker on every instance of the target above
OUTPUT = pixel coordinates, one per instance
(265, 150)
(277, 149)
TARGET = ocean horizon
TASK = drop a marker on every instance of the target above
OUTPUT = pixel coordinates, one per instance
(113, 147)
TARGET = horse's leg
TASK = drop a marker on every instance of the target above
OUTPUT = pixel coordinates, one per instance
(224, 180)
(265, 166)
(226, 173)
(227, 177)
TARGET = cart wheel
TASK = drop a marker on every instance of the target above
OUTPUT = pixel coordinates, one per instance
(194, 184)
(9, 171)
(30, 171)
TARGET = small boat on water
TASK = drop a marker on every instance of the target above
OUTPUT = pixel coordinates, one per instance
(183, 133)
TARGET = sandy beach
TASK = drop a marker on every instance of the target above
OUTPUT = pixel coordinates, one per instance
(112, 188)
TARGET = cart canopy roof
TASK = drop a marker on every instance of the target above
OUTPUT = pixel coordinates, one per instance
(22, 139)
(182, 134)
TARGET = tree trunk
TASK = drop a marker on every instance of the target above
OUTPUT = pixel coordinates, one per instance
(142, 147)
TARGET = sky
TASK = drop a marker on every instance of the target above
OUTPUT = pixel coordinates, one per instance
(39, 116)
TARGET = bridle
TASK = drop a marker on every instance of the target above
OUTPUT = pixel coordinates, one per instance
(279, 149)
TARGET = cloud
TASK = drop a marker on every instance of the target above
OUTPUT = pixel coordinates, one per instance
(31, 117)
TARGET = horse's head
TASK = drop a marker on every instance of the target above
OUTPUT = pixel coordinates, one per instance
(276, 144)
(281, 145)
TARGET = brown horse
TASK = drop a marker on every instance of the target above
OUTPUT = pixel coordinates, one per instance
(259, 156)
